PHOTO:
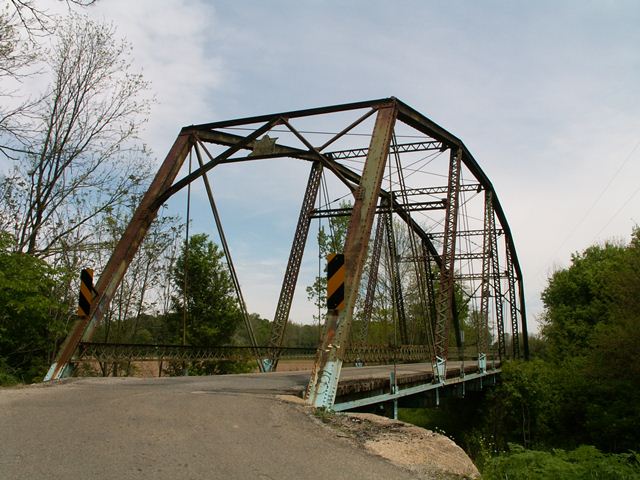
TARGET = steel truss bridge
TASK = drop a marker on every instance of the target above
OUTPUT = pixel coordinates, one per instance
(428, 250)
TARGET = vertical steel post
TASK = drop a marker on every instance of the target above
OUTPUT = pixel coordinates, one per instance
(523, 319)
(322, 387)
(483, 324)
(497, 286)
(445, 301)
(431, 295)
(290, 279)
(515, 337)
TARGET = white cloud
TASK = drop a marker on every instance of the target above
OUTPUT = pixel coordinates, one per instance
(171, 46)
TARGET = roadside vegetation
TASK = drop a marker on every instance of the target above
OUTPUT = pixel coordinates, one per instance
(572, 412)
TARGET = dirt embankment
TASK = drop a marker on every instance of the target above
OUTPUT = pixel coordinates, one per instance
(427, 454)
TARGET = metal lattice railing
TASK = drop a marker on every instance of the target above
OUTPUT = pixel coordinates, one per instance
(123, 352)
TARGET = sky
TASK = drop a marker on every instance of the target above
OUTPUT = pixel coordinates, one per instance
(544, 94)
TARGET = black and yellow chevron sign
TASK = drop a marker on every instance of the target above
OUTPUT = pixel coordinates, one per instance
(335, 281)
(86, 292)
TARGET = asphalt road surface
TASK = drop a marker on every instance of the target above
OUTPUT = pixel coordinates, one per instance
(224, 427)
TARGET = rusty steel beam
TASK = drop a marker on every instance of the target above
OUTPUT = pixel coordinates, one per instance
(515, 336)
(400, 148)
(473, 187)
(281, 317)
(323, 383)
(122, 255)
(406, 207)
(445, 301)
(187, 179)
(523, 318)
(465, 233)
(307, 112)
(431, 295)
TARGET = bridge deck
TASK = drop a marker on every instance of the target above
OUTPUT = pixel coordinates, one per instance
(364, 386)
(361, 386)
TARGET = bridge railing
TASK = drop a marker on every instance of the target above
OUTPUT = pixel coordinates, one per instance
(356, 354)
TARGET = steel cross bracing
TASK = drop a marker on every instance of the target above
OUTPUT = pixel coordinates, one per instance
(474, 187)
(400, 148)
(435, 218)
(407, 207)
(459, 256)
(464, 233)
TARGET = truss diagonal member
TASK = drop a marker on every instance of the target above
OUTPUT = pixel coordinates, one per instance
(515, 336)
(123, 254)
(323, 383)
(446, 293)
(372, 282)
(347, 129)
(287, 290)
(319, 156)
(227, 254)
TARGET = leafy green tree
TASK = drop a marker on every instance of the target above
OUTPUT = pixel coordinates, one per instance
(205, 307)
(261, 330)
(27, 306)
(585, 389)
(205, 293)
(580, 297)
(611, 367)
